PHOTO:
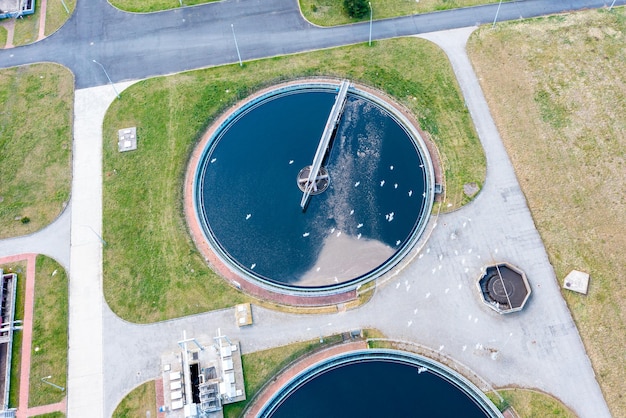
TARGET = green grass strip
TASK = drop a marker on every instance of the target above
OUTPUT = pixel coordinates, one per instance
(146, 6)
(50, 321)
(332, 12)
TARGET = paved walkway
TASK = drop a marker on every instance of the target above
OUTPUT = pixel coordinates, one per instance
(43, 5)
(23, 410)
(9, 25)
(85, 365)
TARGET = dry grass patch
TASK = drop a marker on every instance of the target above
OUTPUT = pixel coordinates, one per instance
(56, 15)
(332, 12)
(557, 90)
(138, 402)
(35, 144)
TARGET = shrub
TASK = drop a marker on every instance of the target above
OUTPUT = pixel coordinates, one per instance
(356, 8)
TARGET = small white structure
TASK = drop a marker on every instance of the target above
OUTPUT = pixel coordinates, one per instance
(577, 281)
(127, 139)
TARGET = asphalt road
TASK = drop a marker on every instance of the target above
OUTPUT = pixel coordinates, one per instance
(135, 46)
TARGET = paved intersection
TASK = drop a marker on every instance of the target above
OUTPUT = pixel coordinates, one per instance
(538, 347)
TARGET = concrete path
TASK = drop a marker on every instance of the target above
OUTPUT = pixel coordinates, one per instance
(43, 5)
(9, 25)
(53, 241)
(85, 366)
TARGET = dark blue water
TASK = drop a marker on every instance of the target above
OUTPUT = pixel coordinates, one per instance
(378, 388)
(250, 201)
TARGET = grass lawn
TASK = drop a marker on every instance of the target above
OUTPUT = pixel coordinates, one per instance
(51, 415)
(36, 144)
(3, 36)
(557, 90)
(56, 15)
(529, 403)
(49, 345)
(138, 402)
(152, 270)
(16, 355)
(27, 29)
(259, 367)
(144, 6)
(332, 12)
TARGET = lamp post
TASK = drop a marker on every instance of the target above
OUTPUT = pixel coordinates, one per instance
(104, 243)
(109, 78)
(44, 379)
(497, 11)
(236, 45)
(371, 14)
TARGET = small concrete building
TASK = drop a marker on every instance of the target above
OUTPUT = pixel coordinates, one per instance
(201, 378)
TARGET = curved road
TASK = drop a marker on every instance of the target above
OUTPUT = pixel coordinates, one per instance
(539, 347)
(135, 46)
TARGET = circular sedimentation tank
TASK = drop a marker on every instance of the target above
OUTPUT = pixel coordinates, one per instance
(379, 383)
(369, 205)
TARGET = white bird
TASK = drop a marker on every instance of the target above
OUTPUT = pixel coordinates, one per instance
(410, 193)
(409, 323)
(358, 236)
(318, 269)
(338, 233)
(290, 161)
(359, 226)
(398, 242)
(382, 183)
(395, 186)
(332, 230)
(352, 212)
(253, 265)
(391, 167)
(213, 160)
(306, 234)
(424, 194)
(248, 216)
(357, 184)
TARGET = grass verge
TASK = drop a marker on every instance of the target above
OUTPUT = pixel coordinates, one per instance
(4, 34)
(56, 15)
(16, 355)
(259, 367)
(332, 12)
(557, 90)
(138, 402)
(51, 415)
(152, 270)
(27, 29)
(49, 345)
(530, 403)
(36, 143)
(146, 6)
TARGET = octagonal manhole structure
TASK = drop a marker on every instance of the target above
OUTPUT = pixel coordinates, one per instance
(504, 288)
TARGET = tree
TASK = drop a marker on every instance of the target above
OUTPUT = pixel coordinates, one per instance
(356, 8)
